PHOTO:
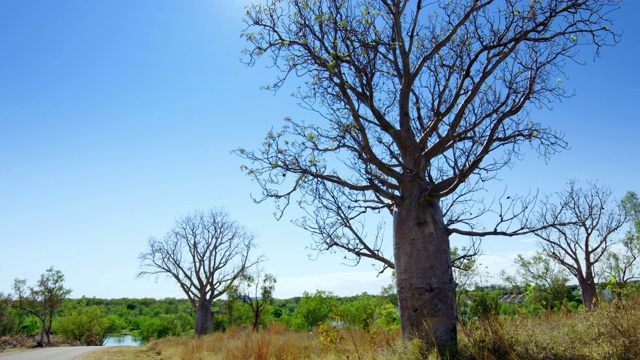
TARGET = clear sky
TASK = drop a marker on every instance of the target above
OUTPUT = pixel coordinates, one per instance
(118, 117)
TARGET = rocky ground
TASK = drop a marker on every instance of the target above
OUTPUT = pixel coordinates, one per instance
(29, 341)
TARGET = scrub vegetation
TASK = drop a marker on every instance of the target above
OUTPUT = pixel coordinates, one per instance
(533, 329)
(539, 325)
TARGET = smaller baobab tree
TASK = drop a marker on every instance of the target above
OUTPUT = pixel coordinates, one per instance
(255, 289)
(205, 253)
(586, 220)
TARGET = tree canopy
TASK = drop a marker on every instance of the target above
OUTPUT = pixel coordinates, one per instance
(418, 103)
(205, 253)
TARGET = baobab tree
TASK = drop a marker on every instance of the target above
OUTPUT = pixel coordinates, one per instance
(205, 253)
(418, 103)
(586, 221)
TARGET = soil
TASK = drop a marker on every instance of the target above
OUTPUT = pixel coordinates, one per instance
(15, 342)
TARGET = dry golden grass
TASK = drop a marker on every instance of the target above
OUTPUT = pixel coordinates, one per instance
(610, 332)
(274, 343)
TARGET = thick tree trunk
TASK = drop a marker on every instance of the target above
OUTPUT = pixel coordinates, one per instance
(424, 278)
(589, 292)
(204, 317)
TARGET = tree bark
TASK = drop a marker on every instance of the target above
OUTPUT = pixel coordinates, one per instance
(424, 278)
(588, 292)
(41, 342)
(256, 319)
(204, 318)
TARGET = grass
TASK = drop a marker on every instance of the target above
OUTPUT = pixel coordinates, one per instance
(610, 332)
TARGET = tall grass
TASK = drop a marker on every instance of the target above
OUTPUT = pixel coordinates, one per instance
(610, 332)
(278, 343)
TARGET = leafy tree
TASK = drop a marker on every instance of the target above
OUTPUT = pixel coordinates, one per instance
(360, 312)
(205, 253)
(387, 317)
(631, 206)
(43, 299)
(587, 219)
(256, 291)
(8, 321)
(485, 303)
(313, 309)
(548, 281)
(621, 266)
(467, 275)
(86, 324)
(419, 103)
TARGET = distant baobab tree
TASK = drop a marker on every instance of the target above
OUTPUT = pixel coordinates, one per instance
(587, 219)
(205, 253)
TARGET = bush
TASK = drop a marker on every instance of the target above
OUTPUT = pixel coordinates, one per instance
(312, 310)
(8, 321)
(152, 328)
(86, 324)
(484, 304)
(29, 325)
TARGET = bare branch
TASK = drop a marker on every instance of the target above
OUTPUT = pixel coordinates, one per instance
(205, 253)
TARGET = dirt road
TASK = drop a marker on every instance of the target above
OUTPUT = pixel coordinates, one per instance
(55, 353)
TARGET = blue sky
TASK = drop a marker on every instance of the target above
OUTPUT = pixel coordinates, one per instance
(117, 117)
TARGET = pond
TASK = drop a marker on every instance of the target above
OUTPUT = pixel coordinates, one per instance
(122, 340)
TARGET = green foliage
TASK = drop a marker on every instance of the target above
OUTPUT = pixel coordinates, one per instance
(388, 317)
(237, 313)
(43, 299)
(254, 289)
(364, 311)
(544, 283)
(29, 325)
(135, 315)
(360, 312)
(631, 206)
(8, 319)
(484, 303)
(86, 324)
(312, 310)
(152, 327)
(608, 332)
(621, 266)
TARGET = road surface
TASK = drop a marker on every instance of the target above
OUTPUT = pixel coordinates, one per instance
(54, 353)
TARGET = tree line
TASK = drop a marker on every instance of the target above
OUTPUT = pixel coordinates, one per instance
(89, 320)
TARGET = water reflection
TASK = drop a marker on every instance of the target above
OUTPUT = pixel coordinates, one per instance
(122, 340)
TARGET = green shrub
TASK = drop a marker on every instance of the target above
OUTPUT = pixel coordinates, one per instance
(312, 310)
(8, 319)
(86, 324)
(484, 304)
